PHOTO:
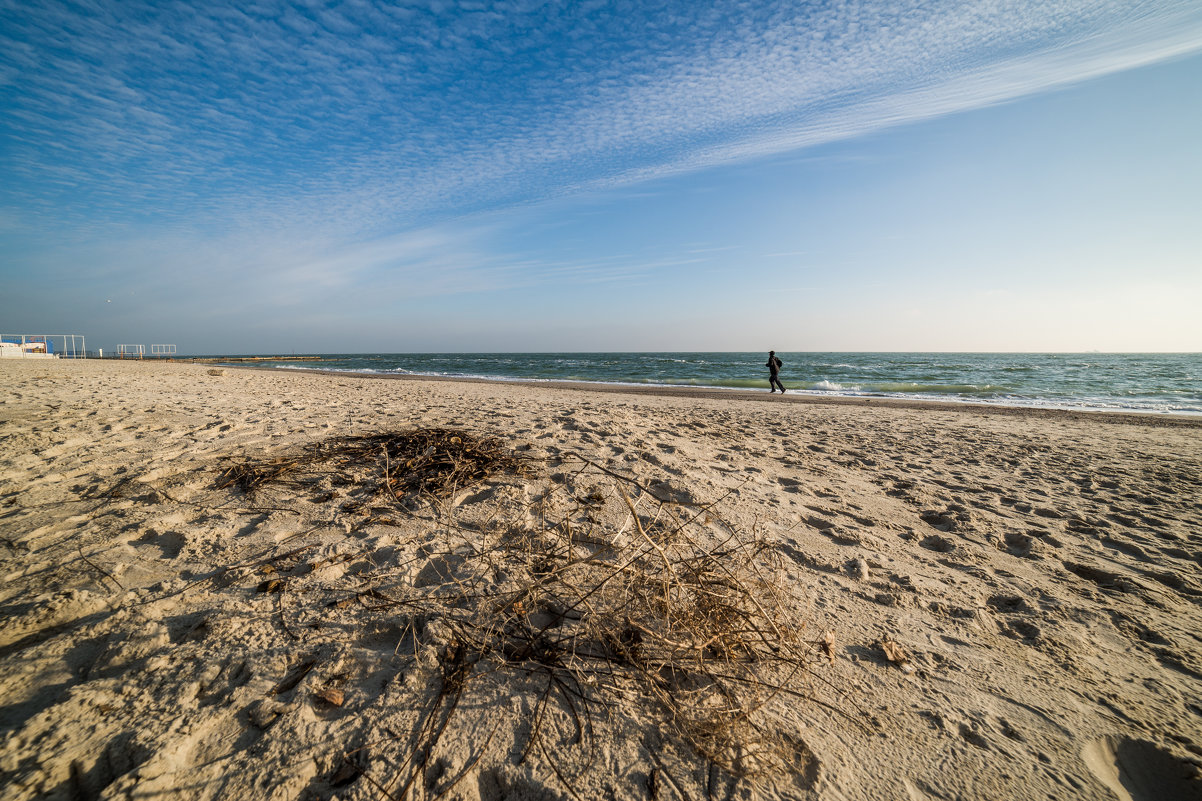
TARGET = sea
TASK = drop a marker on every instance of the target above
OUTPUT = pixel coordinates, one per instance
(1166, 383)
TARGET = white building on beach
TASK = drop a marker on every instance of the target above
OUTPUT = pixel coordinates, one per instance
(42, 346)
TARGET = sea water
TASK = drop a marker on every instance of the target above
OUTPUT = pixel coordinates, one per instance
(1149, 382)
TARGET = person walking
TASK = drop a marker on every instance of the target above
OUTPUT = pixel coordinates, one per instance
(774, 365)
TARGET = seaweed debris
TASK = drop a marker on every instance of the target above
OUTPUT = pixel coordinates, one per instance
(435, 461)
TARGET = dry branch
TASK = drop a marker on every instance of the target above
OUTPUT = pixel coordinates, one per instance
(692, 618)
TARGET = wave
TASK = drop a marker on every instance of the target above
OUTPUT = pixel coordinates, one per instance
(911, 388)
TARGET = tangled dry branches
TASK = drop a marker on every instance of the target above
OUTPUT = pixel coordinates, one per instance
(436, 461)
(610, 593)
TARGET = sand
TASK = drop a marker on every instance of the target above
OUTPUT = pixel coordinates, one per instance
(1033, 575)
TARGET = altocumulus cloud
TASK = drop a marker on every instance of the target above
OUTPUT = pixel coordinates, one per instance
(361, 120)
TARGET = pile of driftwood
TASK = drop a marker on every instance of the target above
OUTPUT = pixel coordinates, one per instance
(609, 591)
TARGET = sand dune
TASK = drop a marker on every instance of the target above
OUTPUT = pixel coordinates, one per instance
(1013, 599)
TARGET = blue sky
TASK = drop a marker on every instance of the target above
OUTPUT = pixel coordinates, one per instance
(529, 175)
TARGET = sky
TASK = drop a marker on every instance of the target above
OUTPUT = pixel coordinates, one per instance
(531, 175)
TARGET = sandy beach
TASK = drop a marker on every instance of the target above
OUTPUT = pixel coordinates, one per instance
(674, 594)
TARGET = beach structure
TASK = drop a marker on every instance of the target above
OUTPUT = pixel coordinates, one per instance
(42, 346)
(162, 351)
(131, 351)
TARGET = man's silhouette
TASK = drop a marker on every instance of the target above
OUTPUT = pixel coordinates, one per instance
(773, 366)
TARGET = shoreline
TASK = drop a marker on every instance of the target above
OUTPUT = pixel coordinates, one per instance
(1155, 384)
(1133, 416)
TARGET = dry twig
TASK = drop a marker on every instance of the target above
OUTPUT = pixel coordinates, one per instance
(693, 617)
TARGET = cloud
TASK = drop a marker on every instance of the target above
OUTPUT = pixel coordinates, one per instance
(360, 120)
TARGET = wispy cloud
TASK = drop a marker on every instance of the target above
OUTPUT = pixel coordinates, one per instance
(360, 120)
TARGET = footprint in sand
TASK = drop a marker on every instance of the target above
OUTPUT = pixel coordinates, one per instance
(937, 543)
(1105, 579)
(1019, 544)
(938, 520)
(1137, 770)
(169, 543)
(1009, 604)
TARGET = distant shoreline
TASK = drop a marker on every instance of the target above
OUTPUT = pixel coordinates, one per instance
(1134, 417)
(1154, 385)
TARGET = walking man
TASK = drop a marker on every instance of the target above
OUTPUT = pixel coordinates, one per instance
(774, 373)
